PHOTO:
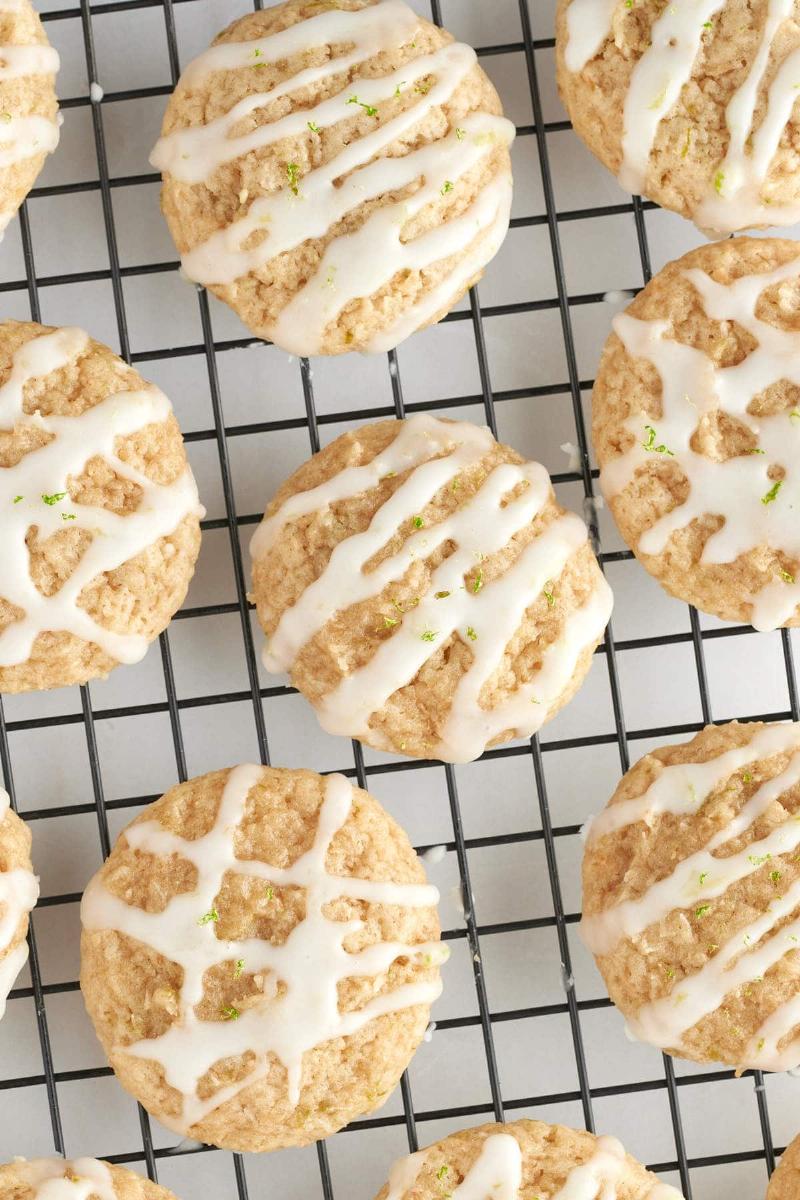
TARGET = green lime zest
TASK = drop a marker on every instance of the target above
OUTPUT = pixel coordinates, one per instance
(208, 917)
(773, 492)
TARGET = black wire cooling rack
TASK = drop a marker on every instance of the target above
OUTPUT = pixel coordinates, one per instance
(482, 405)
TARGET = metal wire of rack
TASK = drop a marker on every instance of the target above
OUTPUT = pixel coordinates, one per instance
(484, 403)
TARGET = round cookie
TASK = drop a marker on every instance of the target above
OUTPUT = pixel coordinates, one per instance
(19, 891)
(99, 515)
(75, 1179)
(426, 591)
(28, 105)
(696, 425)
(785, 1182)
(524, 1158)
(338, 173)
(692, 105)
(691, 897)
(259, 956)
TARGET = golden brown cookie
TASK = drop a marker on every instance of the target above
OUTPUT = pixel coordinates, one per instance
(785, 1182)
(28, 104)
(523, 1158)
(696, 424)
(425, 590)
(691, 104)
(691, 897)
(19, 891)
(85, 1178)
(99, 515)
(259, 956)
(338, 173)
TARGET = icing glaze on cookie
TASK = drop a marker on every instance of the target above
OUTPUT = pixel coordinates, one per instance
(737, 198)
(71, 1179)
(759, 509)
(497, 1174)
(300, 1007)
(479, 528)
(362, 262)
(24, 136)
(703, 877)
(19, 891)
(35, 492)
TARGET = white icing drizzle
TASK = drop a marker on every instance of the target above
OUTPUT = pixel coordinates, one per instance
(497, 1174)
(479, 528)
(23, 137)
(365, 261)
(310, 964)
(19, 891)
(736, 489)
(735, 199)
(46, 472)
(681, 789)
(76, 1179)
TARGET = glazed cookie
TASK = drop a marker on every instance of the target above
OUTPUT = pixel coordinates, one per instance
(338, 173)
(19, 891)
(692, 104)
(518, 1159)
(99, 516)
(259, 956)
(426, 591)
(696, 424)
(785, 1182)
(28, 106)
(691, 897)
(74, 1179)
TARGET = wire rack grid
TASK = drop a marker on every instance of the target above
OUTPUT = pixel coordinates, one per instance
(544, 1040)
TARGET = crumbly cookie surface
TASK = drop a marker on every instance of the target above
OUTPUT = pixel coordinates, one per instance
(785, 1181)
(691, 897)
(338, 174)
(259, 956)
(19, 891)
(99, 514)
(690, 104)
(86, 1178)
(28, 104)
(696, 424)
(523, 1158)
(426, 591)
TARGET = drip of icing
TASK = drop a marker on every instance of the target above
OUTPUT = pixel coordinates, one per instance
(19, 891)
(684, 788)
(46, 471)
(497, 1174)
(366, 260)
(310, 964)
(588, 26)
(17, 61)
(738, 489)
(735, 200)
(78, 1179)
(480, 527)
(23, 137)
(657, 80)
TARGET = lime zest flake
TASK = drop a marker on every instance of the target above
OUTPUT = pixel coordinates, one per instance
(269, 893)
(239, 967)
(293, 174)
(549, 597)
(478, 584)
(207, 918)
(418, 522)
(17, 499)
(773, 492)
(54, 498)
(369, 109)
(702, 910)
(229, 1012)
(787, 576)
(429, 635)
(313, 126)
(447, 186)
(650, 444)
(471, 634)
(440, 595)
(461, 133)
(719, 180)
